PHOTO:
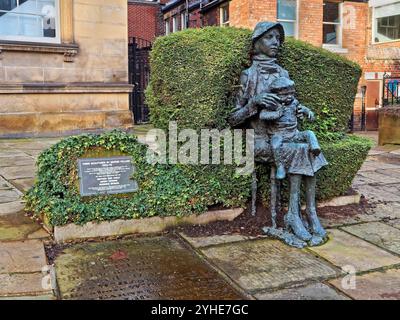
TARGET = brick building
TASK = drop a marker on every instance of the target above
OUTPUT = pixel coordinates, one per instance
(367, 32)
(145, 19)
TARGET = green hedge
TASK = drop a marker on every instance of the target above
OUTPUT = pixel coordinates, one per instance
(195, 73)
(164, 190)
(345, 158)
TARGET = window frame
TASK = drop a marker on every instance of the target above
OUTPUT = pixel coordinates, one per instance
(167, 26)
(375, 25)
(295, 22)
(221, 15)
(183, 20)
(339, 43)
(56, 40)
(175, 23)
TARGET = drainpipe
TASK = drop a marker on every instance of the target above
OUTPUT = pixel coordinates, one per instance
(363, 112)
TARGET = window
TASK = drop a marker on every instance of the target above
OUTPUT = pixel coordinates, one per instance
(29, 20)
(175, 24)
(332, 28)
(167, 28)
(287, 15)
(387, 23)
(183, 21)
(224, 15)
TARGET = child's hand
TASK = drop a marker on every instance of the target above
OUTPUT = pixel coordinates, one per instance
(304, 111)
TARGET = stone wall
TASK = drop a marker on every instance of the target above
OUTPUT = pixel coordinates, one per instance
(70, 87)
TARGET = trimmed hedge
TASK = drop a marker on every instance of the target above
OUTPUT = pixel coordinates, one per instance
(164, 190)
(195, 74)
(345, 158)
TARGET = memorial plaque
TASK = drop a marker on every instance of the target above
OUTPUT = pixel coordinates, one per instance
(106, 176)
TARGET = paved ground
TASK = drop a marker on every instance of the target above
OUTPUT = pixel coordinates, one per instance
(361, 260)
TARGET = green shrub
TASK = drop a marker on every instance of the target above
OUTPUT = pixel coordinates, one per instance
(195, 74)
(345, 158)
(164, 190)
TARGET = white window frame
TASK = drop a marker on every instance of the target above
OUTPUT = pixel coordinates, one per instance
(374, 5)
(175, 23)
(183, 20)
(296, 22)
(221, 15)
(167, 27)
(56, 39)
(340, 32)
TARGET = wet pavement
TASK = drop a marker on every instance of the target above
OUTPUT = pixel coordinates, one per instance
(363, 250)
(143, 268)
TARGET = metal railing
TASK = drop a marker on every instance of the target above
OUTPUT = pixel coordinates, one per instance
(391, 90)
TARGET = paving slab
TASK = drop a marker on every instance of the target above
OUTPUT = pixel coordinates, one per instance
(22, 256)
(19, 227)
(142, 268)
(17, 161)
(267, 264)
(394, 223)
(23, 284)
(4, 185)
(18, 172)
(383, 193)
(385, 211)
(372, 165)
(382, 285)
(361, 179)
(25, 144)
(338, 221)
(34, 153)
(395, 173)
(343, 249)
(8, 195)
(11, 207)
(380, 178)
(198, 242)
(378, 233)
(315, 291)
(7, 153)
(23, 185)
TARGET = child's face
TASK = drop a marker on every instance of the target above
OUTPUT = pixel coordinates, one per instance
(286, 96)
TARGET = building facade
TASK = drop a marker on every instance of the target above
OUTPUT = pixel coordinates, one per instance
(63, 67)
(145, 19)
(367, 32)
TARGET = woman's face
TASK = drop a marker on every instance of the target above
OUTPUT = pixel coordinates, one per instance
(269, 43)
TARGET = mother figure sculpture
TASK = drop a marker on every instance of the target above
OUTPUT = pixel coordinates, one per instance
(299, 163)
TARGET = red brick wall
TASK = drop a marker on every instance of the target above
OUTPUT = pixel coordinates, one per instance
(211, 17)
(144, 20)
(247, 13)
(310, 16)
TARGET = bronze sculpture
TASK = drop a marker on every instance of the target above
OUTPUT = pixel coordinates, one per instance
(266, 103)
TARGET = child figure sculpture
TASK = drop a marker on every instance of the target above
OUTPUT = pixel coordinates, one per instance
(283, 125)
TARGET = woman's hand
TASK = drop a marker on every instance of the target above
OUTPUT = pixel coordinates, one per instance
(268, 100)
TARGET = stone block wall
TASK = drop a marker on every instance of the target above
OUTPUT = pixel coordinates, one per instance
(52, 92)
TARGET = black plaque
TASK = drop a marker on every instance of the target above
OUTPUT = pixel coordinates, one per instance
(106, 176)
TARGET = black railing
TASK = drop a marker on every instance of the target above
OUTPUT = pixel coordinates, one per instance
(139, 75)
(391, 90)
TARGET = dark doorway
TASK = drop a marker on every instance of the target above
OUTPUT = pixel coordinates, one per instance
(139, 74)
